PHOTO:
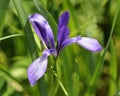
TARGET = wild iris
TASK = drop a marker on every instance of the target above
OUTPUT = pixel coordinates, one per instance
(38, 67)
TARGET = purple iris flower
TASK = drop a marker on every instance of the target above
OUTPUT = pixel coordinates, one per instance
(42, 28)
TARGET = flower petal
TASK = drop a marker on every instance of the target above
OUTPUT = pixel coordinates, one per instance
(70, 41)
(90, 44)
(43, 29)
(63, 19)
(63, 35)
(36, 70)
(63, 30)
(38, 67)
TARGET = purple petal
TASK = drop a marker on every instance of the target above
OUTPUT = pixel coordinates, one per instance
(36, 70)
(63, 30)
(43, 29)
(70, 41)
(90, 44)
(63, 35)
(38, 67)
(63, 19)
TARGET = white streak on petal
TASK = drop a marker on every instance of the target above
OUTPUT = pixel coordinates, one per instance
(37, 69)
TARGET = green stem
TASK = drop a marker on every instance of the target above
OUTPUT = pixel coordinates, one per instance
(11, 36)
(60, 83)
(95, 77)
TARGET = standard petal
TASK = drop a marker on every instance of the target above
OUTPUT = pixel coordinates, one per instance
(63, 30)
(63, 19)
(43, 29)
(38, 67)
(90, 44)
(63, 35)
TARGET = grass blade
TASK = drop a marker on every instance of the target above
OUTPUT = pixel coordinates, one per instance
(10, 36)
(76, 81)
(113, 71)
(27, 29)
(3, 8)
(20, 11)
(95, 78)
(60, 83)
(30, 40)
(3, 85)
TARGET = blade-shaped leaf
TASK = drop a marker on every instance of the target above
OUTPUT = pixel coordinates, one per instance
(3, 7)
(113, 71)
(27, 29)
(96, 75)
(3, 85)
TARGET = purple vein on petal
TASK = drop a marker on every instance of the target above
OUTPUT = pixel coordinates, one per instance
(36, 70)
(63, 35)
(63, 30)
(42, 29)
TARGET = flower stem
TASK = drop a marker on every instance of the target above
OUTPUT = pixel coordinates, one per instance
(60, 83)
(58, 75)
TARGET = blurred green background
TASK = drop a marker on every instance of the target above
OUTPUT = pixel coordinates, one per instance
(79, 72)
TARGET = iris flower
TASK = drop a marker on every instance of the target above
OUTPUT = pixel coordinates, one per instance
(42, 28)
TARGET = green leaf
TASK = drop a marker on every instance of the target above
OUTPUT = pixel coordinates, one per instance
(3, 85)
(96, 75)
(67, 62)
(76, 81)
(30, 39)
(10, 36)
(21, 12)
(42, 87)
(60, 83)
(3, 8)
(27, 29)
(113, 71)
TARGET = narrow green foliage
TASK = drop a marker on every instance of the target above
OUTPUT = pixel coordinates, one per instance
(66, 68)
(96, 75)
(10, 36)
(113, 71)
(76, 82)
(61, 85)
(118, 86)
(58, 77)
(31, 41)
(3, 85)
(42, 87)
(26, 26)
(20, 11)
(3, 8)
(76, 71)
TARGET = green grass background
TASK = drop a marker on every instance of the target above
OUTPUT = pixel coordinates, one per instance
(76, 72)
